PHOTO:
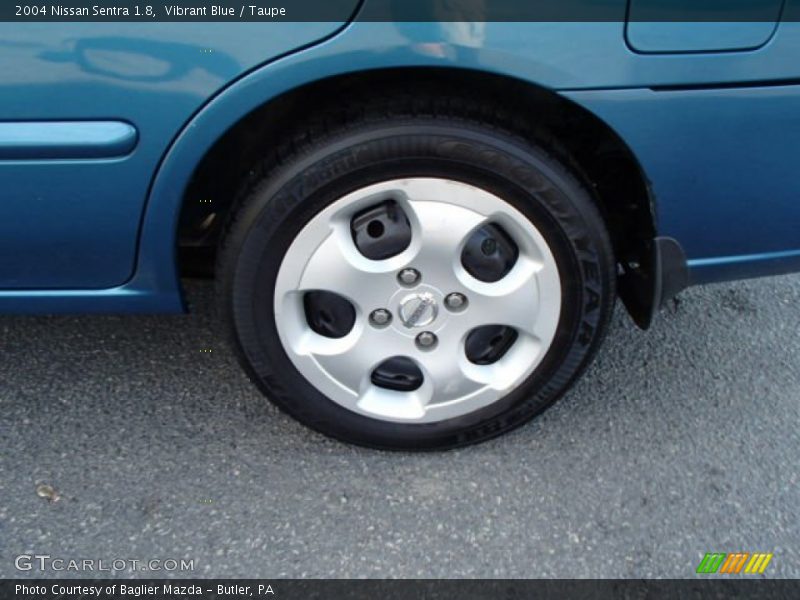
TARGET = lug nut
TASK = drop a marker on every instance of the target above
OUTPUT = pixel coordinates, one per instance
(426, 340)
(380, 317)
(455, 301)
(408, 276)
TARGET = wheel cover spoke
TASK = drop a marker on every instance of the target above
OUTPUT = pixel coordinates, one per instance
(337, 267)
(352, 362)
(515, 301)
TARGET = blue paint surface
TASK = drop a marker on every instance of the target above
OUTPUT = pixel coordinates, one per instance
(97, 233)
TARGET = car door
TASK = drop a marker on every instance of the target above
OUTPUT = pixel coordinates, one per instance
(87, 110)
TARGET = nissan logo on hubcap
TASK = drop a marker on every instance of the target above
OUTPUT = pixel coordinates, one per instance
(418, 310)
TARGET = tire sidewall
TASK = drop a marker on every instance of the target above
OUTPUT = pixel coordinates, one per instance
(276, 208)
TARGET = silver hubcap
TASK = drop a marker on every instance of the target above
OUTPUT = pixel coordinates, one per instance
(432, 302)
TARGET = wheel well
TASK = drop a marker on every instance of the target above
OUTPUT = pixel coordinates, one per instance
(587, 144)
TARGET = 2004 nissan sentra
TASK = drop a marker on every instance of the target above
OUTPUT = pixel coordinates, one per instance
(418, 228)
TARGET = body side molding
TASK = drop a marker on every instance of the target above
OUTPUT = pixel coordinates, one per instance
(33, 140)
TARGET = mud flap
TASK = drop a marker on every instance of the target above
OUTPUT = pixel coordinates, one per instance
(646, 286)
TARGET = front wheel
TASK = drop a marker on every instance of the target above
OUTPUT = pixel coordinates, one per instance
(416, 282)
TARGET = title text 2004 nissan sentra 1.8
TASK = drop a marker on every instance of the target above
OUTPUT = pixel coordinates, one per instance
(418, 229)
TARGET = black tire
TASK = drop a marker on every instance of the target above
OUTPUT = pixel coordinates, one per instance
(315, 169)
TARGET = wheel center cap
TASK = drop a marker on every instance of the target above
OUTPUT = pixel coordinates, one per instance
(418, 310)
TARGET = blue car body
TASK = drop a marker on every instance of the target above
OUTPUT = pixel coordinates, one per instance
(102, 126)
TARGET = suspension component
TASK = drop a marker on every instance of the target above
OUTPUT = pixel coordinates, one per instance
(488, 344)
(329, 314)
(489, 253)
(397, 373)
(381, 231)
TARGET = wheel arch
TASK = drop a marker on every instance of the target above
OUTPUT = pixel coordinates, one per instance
(202, 170)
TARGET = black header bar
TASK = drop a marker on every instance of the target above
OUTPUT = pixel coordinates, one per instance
(399, 10)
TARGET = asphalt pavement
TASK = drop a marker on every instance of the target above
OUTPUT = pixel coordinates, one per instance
(678, 441)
